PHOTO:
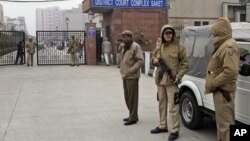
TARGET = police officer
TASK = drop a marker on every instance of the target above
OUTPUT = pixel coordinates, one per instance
(132, 59)
(30, 48)
(174, 55)
(73, 47)
(221, 77)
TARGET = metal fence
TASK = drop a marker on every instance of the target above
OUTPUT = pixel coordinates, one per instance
(52, 47)
(8, 47)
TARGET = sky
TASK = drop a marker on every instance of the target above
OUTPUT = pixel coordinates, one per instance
(28, 10)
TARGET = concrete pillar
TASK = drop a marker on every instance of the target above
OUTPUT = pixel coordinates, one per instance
(237, 16)
(248, 12)
(225, 10)
(90, 43)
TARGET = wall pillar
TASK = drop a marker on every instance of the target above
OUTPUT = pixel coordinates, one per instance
(90, 29)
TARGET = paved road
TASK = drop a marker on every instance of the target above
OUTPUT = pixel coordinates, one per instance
(85, 103)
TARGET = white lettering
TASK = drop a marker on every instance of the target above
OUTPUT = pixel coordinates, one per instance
(139, 3)
(240, 132)
(237, 132)
(243, 131)
(121, 2)
(103, 2)
(156, 3)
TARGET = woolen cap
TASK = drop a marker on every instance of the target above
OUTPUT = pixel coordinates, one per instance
(127, 33)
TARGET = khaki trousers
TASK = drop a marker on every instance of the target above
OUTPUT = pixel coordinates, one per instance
(166, 103)
(224, 114)
(74, 60)
(30, 58)
(131, 91)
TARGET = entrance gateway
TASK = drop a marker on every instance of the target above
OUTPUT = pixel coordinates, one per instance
(52, 47)
(119, 15)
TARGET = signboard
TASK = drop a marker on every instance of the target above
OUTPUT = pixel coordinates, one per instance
(130, 3)
(91, 31)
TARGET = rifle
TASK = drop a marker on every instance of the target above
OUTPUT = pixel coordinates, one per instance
(166, 69)
(225, 94)
(169, 72)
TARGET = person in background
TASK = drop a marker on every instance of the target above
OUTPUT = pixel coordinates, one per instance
(30, 49)
(132, 60)
(73, 47)
(20, 53)
(106, 48)
(221, 77)
(80, 50)
(174, 54)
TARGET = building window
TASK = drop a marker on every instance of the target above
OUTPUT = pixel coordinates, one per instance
(205, 23)
(197, 23)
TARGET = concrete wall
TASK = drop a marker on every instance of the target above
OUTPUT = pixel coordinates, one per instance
(248, 12)
(1, 17)
(185, 12)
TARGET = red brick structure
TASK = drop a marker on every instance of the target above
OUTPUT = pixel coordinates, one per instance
(119, 19)
(90, 45)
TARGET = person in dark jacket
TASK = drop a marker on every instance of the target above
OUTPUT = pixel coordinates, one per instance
(20, 53)
(132, 59)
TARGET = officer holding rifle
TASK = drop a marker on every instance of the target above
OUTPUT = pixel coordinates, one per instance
(171, 61)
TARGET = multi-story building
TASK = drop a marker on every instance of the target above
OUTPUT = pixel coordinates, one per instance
(1, 18)
(204, 12)
(54, 18)
(17, 24)
(74, 19)
(49, 19)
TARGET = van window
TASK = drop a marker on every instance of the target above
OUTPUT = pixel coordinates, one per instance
(200, 44)
(244, 58)
(189, 44)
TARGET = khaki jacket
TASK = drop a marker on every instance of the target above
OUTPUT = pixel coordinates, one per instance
(131, 62)
(174, 55)
(30, 47)
(106, 47)
(73, 46)
(223, 68)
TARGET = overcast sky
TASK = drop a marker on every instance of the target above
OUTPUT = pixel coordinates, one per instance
(28, 10)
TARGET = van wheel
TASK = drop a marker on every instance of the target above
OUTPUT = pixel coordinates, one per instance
(191, 115)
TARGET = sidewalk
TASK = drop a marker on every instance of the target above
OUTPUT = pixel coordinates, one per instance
(85, 103)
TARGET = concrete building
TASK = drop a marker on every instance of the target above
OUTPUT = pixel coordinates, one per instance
(203, 12)
(17, 24)
(49, 19)
(74, 19)
(1, 18)
(54, 18)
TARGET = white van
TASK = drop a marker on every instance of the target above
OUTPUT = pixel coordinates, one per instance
(194, 105)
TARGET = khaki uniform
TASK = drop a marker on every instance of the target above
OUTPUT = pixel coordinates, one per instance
(175, 56)
(30, 49)
(73, 47)
(130, 66)
(222, 74)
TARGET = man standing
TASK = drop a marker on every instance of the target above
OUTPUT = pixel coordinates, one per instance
(221, 77)
(106, 48)
(20, 53)
(132, 59)
(30, 47)
(171, 52)
(73, 47)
